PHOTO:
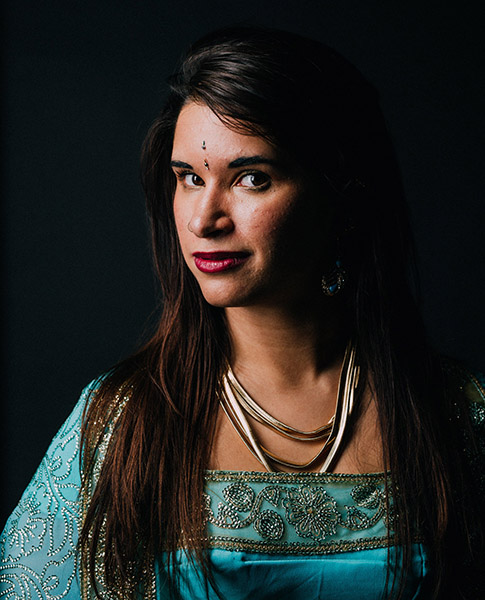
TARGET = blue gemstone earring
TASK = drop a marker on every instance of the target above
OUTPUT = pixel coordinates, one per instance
(334, 281)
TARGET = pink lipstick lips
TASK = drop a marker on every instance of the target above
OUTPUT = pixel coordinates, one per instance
(216, 262)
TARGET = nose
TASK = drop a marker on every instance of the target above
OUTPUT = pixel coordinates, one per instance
(210, 216)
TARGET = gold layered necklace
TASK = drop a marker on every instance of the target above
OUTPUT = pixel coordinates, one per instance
(236, 403)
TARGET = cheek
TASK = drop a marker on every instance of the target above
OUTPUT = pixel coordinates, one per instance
(291, 232)
(184, 240)
(181, 221)
(271, 221)
(177, 211)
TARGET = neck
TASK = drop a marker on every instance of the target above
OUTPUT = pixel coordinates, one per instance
(286, 347)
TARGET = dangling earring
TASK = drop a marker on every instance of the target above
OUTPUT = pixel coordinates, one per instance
(334, 281)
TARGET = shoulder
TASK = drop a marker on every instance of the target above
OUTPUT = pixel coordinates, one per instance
(462, 383)
(59, 468)
(466, 390)
(38, 544)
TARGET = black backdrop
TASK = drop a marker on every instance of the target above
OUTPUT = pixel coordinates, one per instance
(83, 80)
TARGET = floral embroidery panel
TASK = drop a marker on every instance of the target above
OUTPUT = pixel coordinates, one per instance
(299, 513)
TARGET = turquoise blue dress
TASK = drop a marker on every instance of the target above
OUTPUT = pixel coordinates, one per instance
(271, 535)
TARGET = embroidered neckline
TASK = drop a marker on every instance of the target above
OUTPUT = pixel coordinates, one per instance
(296, 513)
(284, 477)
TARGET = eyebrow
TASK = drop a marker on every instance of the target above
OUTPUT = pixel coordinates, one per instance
(180, 164)
(243, 161)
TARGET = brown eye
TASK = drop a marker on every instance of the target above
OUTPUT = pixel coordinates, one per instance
(254, 180)
(192, 180)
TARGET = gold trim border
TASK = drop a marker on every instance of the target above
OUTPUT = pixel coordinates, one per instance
(285, 548)
(331, 547)
(295, 478)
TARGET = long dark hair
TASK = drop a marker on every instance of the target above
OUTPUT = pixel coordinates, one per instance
(303, 97)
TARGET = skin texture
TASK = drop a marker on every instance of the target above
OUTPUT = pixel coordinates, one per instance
(260, 209)
(287, 337)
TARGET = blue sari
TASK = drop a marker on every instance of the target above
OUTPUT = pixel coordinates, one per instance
(270, 535)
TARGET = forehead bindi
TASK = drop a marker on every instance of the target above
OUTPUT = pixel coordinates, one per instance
(200, 133)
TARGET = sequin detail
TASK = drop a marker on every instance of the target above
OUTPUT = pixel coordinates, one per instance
(148, 584)
(313, 512)
(38, 557)
(472, 387)
(328, 512)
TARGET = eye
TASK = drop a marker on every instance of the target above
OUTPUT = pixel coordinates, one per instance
(189, 179)
(256, 179)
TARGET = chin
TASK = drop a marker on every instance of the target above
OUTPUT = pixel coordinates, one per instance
(227, 298)
(226, 302)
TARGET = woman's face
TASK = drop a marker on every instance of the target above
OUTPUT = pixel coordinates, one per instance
(250, 228)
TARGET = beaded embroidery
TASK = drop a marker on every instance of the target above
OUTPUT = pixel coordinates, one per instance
(87, 591)
(283, 512)
(297, 513)
(38, 546)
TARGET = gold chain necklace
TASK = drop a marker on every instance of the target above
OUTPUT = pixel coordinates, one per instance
(257, 412)
(234, 409)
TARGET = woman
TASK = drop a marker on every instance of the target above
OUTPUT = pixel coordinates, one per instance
(286, 433)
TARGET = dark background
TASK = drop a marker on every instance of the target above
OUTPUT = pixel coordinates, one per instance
(82, 82)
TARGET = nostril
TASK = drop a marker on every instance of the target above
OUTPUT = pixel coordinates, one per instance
(224, 224)
(216, 226)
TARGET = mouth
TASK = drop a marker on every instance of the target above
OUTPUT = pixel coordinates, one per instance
(215, 262)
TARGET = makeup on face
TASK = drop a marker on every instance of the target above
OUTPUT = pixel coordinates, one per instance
(217, 262)
(244, 225)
